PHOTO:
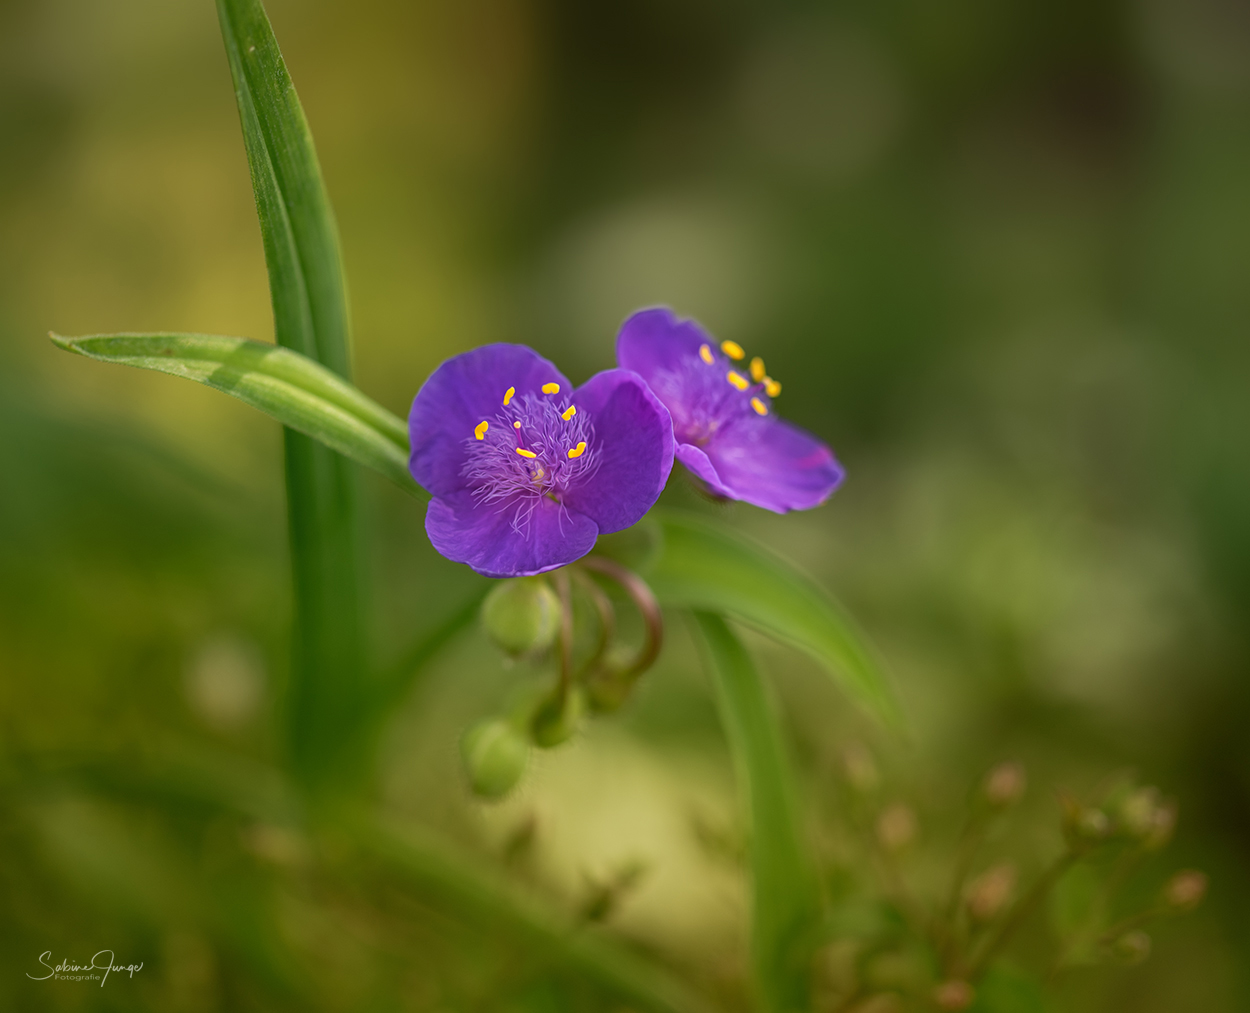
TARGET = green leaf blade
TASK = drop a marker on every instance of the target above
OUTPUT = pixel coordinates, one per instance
(785, 910)
(285, 385)
(703, 565)
(309, 295)
(297, 224)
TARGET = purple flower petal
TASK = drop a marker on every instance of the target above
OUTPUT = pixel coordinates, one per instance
(654, 339)
(700, 465)
(519, 540)
(633, 441)
(775, 465)
(728, 434)
(524, 471)
(461, 393)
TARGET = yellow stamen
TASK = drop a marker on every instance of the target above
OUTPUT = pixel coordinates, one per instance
(759, 406)
(516, 425)
(551, 388)
(771, 387)
(570, 413)
(732, 349)
(757, 369)
(705, 354)
(738, 380)
(525, 453)
(507, 395)
(578, 450)
(480, 430)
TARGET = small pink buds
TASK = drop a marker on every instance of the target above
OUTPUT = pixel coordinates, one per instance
(1132, 947)
(1185, 890)
(860, 769)
(953, 995)
(1005, 784)
(988, 894)
(896, 827)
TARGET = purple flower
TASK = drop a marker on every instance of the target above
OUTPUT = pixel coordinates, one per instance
(526, 472)
(723, 421)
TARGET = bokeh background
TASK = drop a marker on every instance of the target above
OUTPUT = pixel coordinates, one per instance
(997, 252)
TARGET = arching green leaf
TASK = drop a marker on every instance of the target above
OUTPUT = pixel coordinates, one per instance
(299, 393)
(703, 565)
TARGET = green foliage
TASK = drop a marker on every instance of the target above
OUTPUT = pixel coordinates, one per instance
(309, 295)
(785, 906)
(297, 391)
(703, 565)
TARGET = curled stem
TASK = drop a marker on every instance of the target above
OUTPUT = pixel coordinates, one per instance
(644, 600)
(607, 618)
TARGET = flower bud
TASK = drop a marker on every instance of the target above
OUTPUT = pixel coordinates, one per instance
(860, 768)
(1083, 825)
(953, 995)
(1137, 812)
(556, 718)
(1005, 784)
(896, 827)
(495, 755)
(1185, 890)
(990, 891)
(1163, 823)
(1132, 947)
(521, 615)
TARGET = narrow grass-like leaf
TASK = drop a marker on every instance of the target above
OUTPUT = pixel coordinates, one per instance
(310, 316)
(703, 565)
(785, 907)
(285, 385)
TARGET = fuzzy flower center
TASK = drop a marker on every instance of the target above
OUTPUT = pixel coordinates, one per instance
(708, 393)
(536, 445)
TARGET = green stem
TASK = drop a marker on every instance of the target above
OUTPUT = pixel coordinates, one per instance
(1020, 913)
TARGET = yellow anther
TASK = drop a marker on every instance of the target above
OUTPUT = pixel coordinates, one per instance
(578, 450)
(480, 430)
(551, 388)
(569, 414)
(705, 354)
(732, 349)
(507, 395)
(771, 387)
(516, 425)
(757, 369)
(526, 453)
(738, 380)
(759, 406)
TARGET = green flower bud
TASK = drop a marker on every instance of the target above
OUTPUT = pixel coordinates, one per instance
(495, 754)
(521, 615)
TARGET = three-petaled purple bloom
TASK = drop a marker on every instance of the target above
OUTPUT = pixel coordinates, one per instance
(526, 472)
(723, 422)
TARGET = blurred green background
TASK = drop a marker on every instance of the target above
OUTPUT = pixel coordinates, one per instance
(997, 253)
